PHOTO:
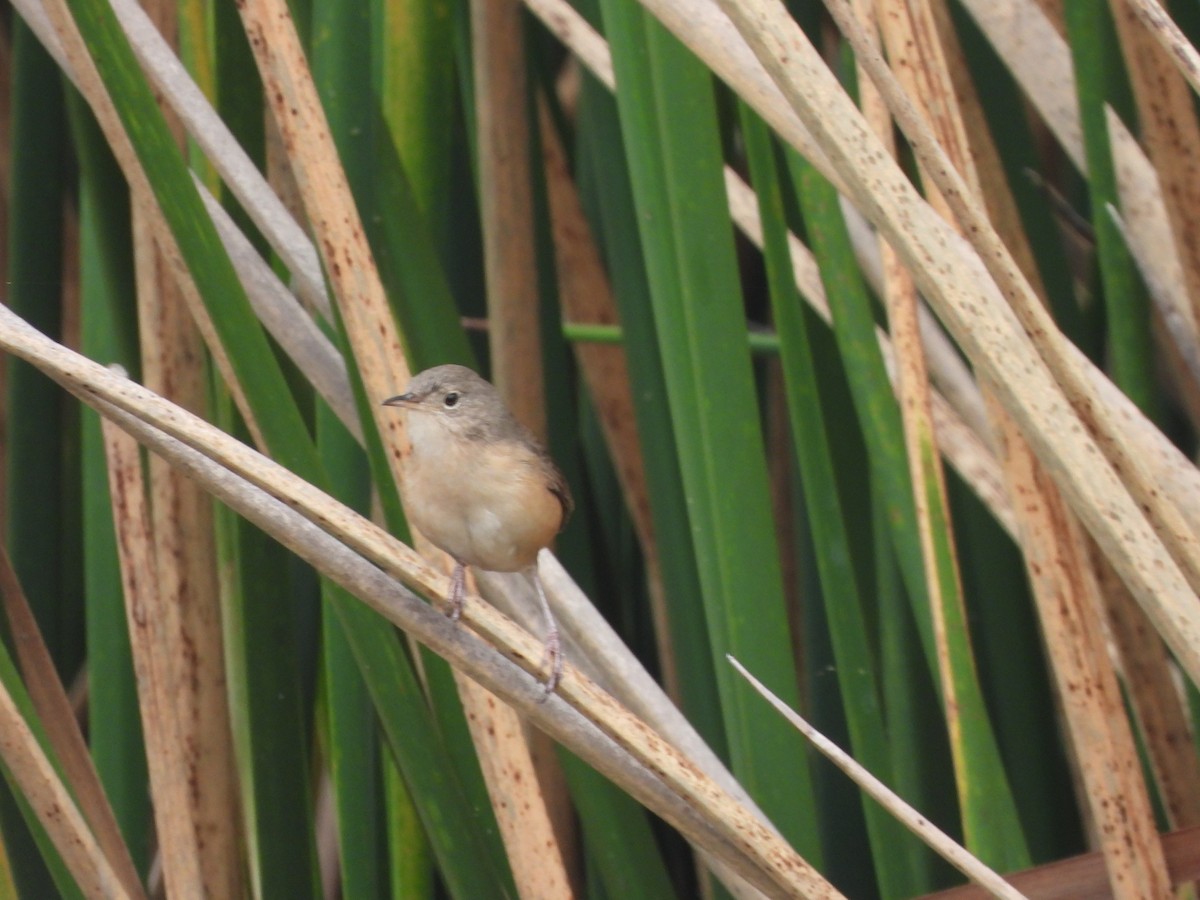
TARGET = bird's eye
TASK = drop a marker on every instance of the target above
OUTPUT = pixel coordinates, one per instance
(450, 400)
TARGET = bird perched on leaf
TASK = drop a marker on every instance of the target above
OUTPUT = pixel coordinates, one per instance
(480, 486)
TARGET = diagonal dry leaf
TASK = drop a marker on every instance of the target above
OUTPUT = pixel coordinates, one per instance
(39, 784)
(1168, 126)
(952, 279)
(61, 727)
(728, 829)
(1064, 587)
(1164, 30)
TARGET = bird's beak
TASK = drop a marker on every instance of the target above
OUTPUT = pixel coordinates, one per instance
(401, 400)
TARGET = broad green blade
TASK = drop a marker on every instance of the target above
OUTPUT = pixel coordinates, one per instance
(669, 123)
(35, 441)
(268, 709)
(109, 320)
(895, 853)
(417, 89)
(40, 430)
(1100, 82)
(989, 812)
(607, 190)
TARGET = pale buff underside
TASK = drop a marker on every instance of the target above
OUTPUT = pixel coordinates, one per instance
(480, 502)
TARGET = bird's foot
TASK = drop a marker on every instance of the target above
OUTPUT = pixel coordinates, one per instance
(454, 606)
(552, 659)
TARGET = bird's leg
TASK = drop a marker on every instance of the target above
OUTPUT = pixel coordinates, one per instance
(553, 647)
(457, 586)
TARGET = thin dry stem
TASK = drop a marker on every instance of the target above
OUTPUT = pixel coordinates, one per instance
(938, 840)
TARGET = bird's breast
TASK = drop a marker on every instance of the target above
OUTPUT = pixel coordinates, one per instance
(486, 503)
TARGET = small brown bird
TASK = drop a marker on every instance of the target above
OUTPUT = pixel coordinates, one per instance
(480, 486)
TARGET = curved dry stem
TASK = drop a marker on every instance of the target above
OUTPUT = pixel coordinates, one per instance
(762, 857)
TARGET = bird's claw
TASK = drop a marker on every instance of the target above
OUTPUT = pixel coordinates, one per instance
(552, 659)
(454, 604)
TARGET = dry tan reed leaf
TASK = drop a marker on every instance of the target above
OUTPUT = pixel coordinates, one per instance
(506, 208)
(1164, 30)
(337, 228)
(1069, 608)
(62, 729)
(1064, 587)
(1169, 130)
(184, 557)
(505, 756)
(219, 865)
(915, 53)
(54, 807)
(153, 635)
